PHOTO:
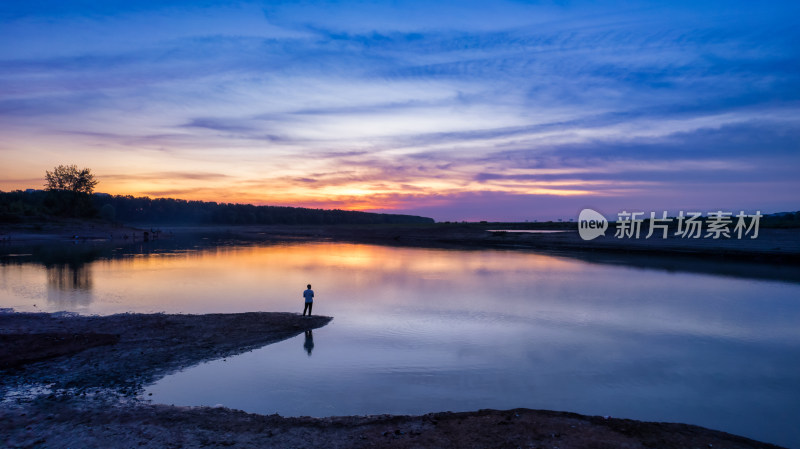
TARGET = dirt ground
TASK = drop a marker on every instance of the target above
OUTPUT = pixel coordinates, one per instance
(67, 423)
(68, 230)
(122, 352)
(95, 367)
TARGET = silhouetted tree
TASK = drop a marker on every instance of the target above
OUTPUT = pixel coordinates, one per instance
(69, 191)
(69, 178)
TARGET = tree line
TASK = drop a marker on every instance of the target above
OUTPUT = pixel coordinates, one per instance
(131, 209)
(32, 205)
(70, 193)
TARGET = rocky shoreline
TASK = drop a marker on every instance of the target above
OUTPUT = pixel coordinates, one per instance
(92, 370)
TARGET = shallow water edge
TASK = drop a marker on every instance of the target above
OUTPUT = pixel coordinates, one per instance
(145, 350)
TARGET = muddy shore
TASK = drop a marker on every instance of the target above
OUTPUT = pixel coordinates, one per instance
(122, 352)
(95, 367)
(69, 424)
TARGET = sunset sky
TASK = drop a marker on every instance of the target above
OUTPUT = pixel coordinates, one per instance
(457, 110)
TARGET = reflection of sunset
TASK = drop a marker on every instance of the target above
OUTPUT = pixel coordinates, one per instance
(343, 256)
(349, 276)
(267, 277)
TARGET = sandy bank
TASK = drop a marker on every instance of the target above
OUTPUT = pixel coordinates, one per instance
(95, 367)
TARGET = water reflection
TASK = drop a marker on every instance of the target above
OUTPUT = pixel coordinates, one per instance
(308, 344)
(361, 256)
(69, 286)
(419, 330)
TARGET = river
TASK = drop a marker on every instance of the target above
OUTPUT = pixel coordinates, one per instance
(419, 330)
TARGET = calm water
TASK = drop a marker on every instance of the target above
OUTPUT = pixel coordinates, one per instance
(421, 330)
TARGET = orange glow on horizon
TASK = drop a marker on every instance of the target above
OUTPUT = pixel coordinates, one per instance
(356, 196)
(337, 186)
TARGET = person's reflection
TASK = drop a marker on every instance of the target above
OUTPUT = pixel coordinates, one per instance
(309, 343)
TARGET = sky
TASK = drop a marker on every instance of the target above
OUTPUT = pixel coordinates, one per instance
(456, 110)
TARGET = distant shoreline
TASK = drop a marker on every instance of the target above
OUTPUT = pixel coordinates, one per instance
(97, 367)
(773, 245)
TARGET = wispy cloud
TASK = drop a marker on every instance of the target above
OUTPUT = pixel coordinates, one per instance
(170, 176)
(360, 106)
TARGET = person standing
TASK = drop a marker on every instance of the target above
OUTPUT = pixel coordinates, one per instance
(309, 296)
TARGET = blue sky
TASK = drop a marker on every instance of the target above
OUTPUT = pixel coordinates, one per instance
(455, 110)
